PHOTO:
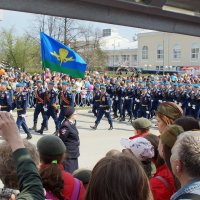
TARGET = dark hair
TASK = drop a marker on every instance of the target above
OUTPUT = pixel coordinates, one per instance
(52, 176)
(118, 177)
(187, 123)
(154, 140)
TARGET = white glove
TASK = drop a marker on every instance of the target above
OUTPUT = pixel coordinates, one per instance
(147, 112)
(45, 108)
(0, 107)
(11, 111)
(23, 115)
(160, 101)
(189, 104)
(107, 111)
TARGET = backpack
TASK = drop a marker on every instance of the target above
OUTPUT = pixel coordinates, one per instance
(75, 193)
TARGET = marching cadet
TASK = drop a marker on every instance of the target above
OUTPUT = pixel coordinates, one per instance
(136, 101)
(5, 98)
(109, 88)
(154, 98)
(181, 97)
(145, 104)
(66, 101)
(128, 101)
(104, 109)
(50, 107)
(117, 100)
(39, 96)
(96, 99)
(20, 102)
(188, 98)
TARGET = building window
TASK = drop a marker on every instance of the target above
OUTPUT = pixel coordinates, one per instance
(145, 52)
(134, 57)
(125, 58)
(106, 32)
(161, 68)
(195, 52)
(116, 59)
(177, 52)
(160, 52)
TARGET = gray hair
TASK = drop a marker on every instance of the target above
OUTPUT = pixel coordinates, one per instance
(187, 150)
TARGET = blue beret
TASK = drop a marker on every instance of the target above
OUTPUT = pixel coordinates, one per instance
(128, 81)
(196, 86)
(161, 83)
(181, 85)
(19, 85)
(107, 79)
(103, 87)
(117, 81)
(175, 84)
(97, 85)
(144, 88)
(65, 83)
(148, 83)
(167, 83)
(51, 83)
(4, 83)
(39, 81)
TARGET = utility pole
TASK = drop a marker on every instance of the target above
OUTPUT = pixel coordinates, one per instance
(65, 31)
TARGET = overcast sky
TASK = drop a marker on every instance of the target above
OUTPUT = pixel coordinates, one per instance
(22, 22)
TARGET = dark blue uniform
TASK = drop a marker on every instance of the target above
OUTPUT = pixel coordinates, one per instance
(104, 109)
(20, 102)
(5, 101)
(50, 108)
(128, 102)
(145, 106)
(117, 101)
(136, 102)
(40, 99)
(66, 101)
(96, 102)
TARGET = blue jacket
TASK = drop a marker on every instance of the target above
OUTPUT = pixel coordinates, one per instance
(6, 101)
(20, 102)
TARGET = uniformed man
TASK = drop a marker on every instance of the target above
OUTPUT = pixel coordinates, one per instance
(128, 101)
(104, 109)
(50, 107)
(145, 104)
(20, 102)
(40, 99)
(117, 100)
(96, 99)
(66, 101)
(109, 88)
(5, 98)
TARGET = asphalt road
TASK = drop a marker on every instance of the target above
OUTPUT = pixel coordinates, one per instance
(94, 143)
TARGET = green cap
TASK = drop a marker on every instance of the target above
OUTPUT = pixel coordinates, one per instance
(51, 145)
(141, 123)
(4, 83)
(83, 175)
(170, 134)
(39, 81)
(170, 110)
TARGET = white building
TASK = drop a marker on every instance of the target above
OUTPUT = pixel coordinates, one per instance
(119, 50)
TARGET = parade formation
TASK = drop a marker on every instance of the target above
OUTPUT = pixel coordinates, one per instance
(125, 97)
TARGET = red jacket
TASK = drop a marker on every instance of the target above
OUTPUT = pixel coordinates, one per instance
(69, 184)
(161, 190)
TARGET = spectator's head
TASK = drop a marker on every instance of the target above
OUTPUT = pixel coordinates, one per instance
(154, 140)
(141, 126)
(142, 149)
(8, 173)
(70, 113)
(113, 152)
(83, 175)
(52, 152)
(167, 140)
(188, 123)
(185, 160)
(167, 113)
(118, 177)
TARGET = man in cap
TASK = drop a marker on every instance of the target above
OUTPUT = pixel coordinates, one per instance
(20, 102)
(96, 99)
(5, 98)
(128, 101)
(50, 107)
(141, 126)
(69, 134)
(66, 101)
(40, 99)
(104, 109)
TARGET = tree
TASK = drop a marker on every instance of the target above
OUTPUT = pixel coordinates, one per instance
(20, 52)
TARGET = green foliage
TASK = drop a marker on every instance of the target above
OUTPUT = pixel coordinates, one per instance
(20, 52)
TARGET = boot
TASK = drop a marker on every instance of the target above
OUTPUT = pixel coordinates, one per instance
(41, 130)
(94, 127)
(130, 119)
(111, 128)
(34, 128)
(29, 136)
(115, 116)
(122, 119)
